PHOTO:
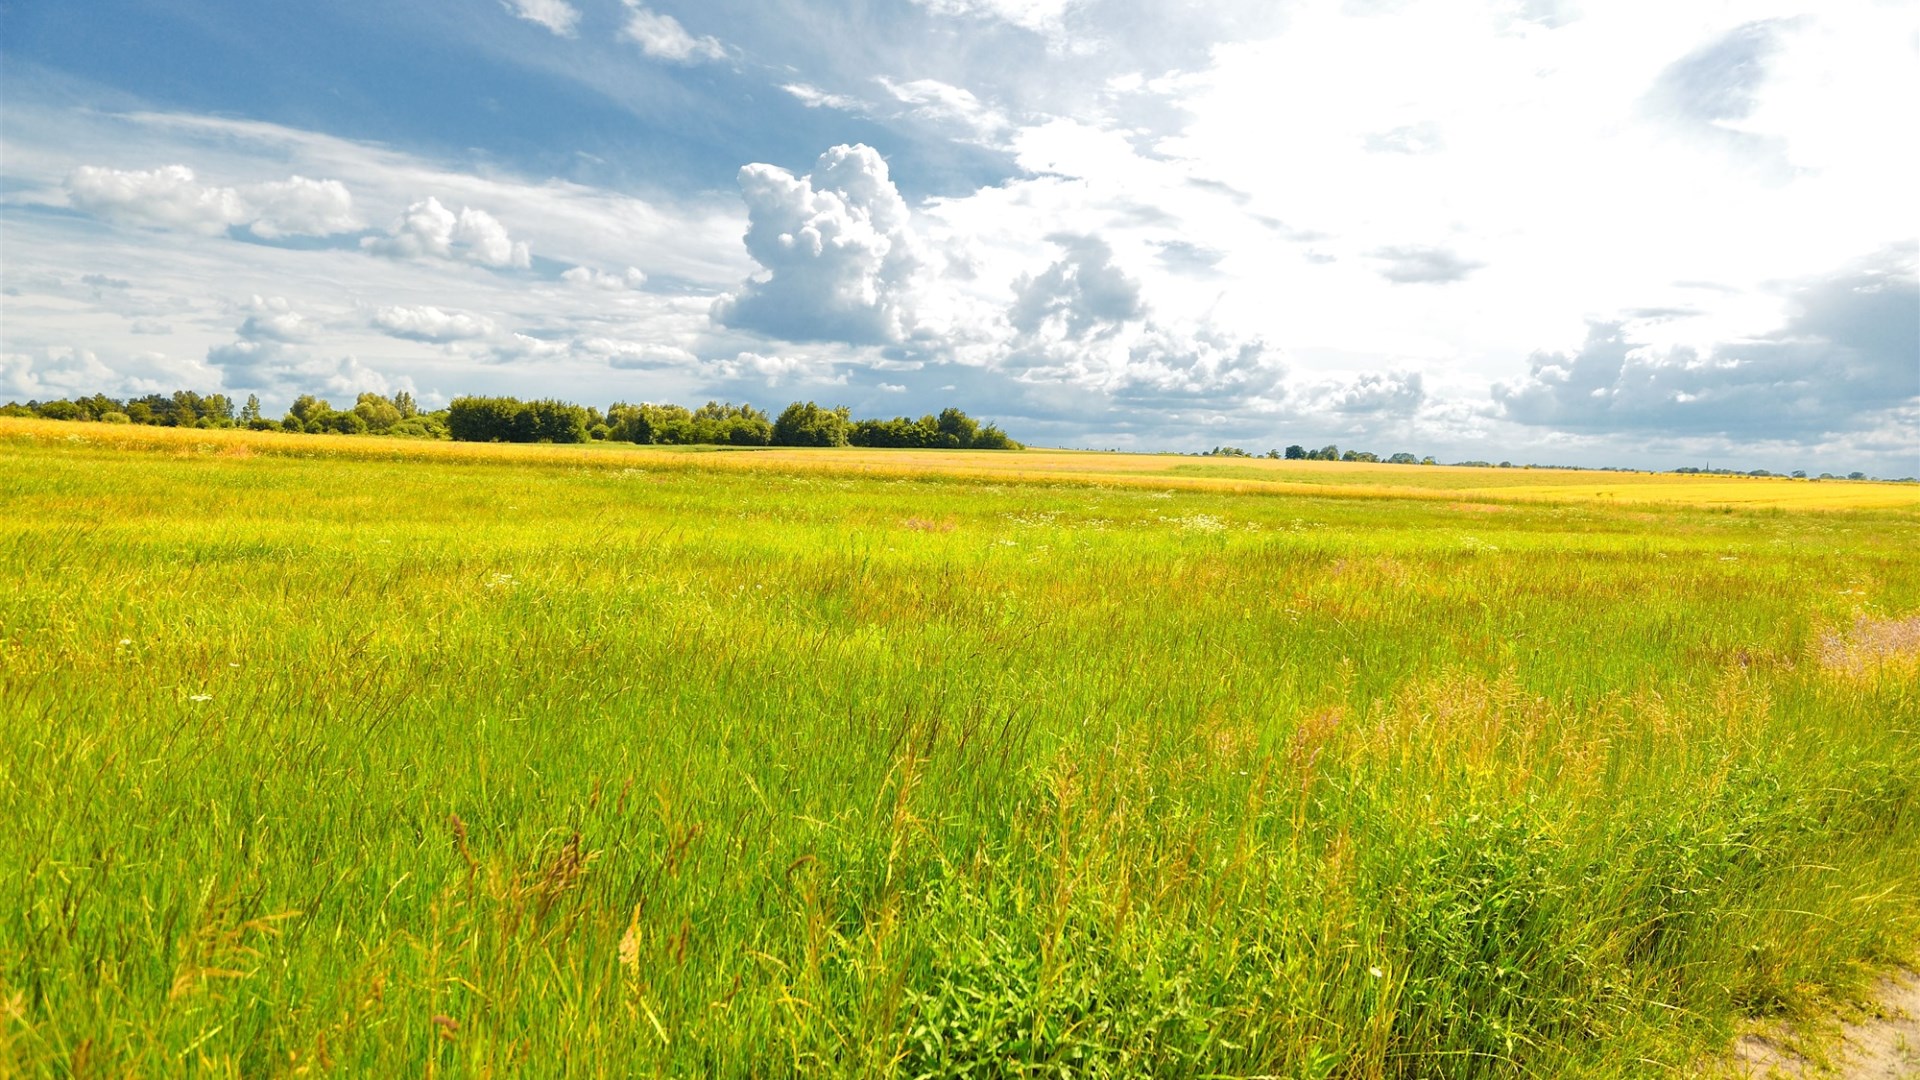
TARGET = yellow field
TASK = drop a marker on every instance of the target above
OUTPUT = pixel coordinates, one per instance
(1163, 471)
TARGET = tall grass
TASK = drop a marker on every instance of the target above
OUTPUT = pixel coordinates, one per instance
(602, 764)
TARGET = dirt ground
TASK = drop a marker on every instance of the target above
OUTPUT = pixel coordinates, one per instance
(1881, 1044)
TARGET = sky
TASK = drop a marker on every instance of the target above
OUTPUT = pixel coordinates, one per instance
(1648, 233)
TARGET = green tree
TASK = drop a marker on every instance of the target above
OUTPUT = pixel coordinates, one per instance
(810, 425)
(250, 412)
(378, 412)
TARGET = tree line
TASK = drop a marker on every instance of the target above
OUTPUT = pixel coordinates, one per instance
(472, 418)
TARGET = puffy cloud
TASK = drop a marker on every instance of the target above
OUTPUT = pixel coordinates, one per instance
(837, 247)
(168, 197)
(428, 323)
(430, 230)
(1423, 265)
(298, 206)
(171, 197)
(634, 354)
(273, 319)
(54, 373)
(588, 278)
(1847, 355)
(556, 15)
(1397, 393)
(661, 36)
(787, 367)
(1083, 294)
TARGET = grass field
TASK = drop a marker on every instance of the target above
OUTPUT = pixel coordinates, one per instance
(371, 758)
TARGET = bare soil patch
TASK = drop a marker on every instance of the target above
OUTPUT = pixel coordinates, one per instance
(1882, 1044)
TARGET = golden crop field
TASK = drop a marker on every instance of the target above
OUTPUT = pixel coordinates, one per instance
(366, 757)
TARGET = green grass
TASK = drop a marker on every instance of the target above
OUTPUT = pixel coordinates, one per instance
(593, 764)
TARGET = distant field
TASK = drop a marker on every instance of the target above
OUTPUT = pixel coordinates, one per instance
(374, 758)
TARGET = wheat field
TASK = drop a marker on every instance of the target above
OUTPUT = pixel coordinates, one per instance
(360, 757)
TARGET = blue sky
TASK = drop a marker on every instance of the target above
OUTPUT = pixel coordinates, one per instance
(1548, 230)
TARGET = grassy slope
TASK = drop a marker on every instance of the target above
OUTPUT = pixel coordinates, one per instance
(379, 757)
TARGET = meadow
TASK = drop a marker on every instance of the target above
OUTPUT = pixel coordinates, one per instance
(362, 757)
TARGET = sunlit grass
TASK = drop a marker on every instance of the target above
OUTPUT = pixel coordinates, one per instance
(375, 758)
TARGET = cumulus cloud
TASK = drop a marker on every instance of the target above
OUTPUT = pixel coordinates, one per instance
(1397, 393)
(1847, 355)
(273, 319)
(430, 230)
(54, 373)
(642, 355)
(1423, 265)
(786, 367)
(172, 197)
(556, 15)
(1082, 294)
(428, 323)
(298, 206)
(588, 278)
(661, 36)
(837, 247)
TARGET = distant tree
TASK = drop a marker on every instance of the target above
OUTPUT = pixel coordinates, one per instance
(403, 404)
(378, 412)
(309, 412)
(1296, 452)
(59, 410)
(482, 419)
(1403, 459)
(250, 412)
(810, 425)
(1856, 476)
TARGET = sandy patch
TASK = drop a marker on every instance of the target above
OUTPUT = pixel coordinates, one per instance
(1883, 1045)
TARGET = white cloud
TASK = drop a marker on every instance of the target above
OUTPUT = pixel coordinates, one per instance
(661, 36)
(942, 102)
(298, 206)
(837, 246)
(429, 323)
(783, 368)
(171, 197)
(430, 230)
(54, 373)
(586, 277)
(634, 354)
(813, 98)
(1040, 16)
(273, 319)
(167, 197)
(556, 15)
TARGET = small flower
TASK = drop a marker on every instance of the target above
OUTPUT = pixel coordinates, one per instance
(200, 697)
(1376, 972)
